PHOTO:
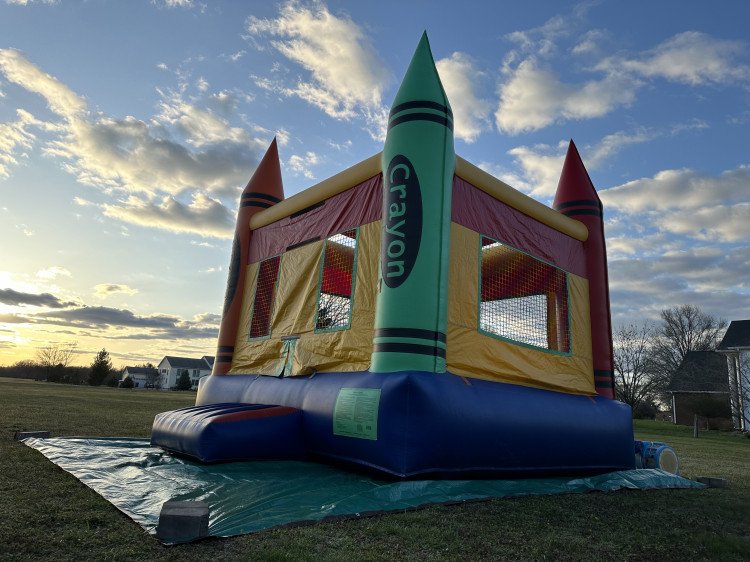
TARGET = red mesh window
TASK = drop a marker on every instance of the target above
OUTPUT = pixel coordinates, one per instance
(335, 300)
(265, 289)
(522, 298)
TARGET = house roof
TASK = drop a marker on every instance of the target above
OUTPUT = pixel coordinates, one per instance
(190, 363)
(738, 335)
(141, 371)
(701, 371)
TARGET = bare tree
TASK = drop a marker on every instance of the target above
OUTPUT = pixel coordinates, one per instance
(635, 383)
(684, 329)
(54, 358)
(56, 354)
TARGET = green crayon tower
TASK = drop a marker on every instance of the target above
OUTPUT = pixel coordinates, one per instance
(418, 166)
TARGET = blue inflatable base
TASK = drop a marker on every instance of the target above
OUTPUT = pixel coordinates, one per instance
(411, 424)
(406, 424)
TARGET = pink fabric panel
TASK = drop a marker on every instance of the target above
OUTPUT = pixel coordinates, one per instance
(359, 205)
(475, 209)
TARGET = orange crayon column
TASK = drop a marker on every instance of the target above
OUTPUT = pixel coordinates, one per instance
(262, 191)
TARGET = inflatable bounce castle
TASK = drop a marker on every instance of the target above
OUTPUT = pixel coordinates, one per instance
(414, 316)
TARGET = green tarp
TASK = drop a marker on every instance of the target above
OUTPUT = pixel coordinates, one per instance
(249, 496)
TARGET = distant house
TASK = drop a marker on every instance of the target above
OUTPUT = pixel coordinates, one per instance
(170, 368)
(736, 347)
(701, 386)
(142, 377)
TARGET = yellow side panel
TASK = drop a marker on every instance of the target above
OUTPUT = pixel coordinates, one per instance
(348, 350)
(296, 292)
(295, 306)
(293, 311)
(473, 354)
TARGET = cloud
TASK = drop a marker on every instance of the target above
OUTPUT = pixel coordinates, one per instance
(541, 165)
(174, 3)
(130, 155)
(53, 273)
(201, 127)
(27, 2)
(534, 97)
(60, 99)
(202, 244)
(345, 76)
(460, 78)
(16, 298)
(302, 164)
(103, 316)
(679, 189)
(690, 57)
(712, 278)
(541, 172)
(118, 322)
(589, 43)
(25, 230)
(720, 223)
(16, 136)
(104, 290)
(203, 215)
(540, 40)
(185, 150)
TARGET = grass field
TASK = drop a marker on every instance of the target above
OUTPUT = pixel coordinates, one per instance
(47, 514)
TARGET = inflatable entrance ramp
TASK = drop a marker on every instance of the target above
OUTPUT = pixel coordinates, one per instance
(230, 432)
(422, 316)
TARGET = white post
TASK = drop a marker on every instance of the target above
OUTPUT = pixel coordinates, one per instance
(734, 389)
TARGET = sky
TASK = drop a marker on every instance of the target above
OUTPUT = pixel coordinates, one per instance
(128, 130)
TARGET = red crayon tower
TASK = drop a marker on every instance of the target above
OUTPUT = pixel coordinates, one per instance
(577, 198)
(263, 190)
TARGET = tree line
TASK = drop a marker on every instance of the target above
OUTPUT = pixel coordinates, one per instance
(52, 363)
(648, 355)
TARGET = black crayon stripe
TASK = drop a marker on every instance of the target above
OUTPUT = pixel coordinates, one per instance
(259, 195)
(592, 212)
(409, 348)
(415, 333)
(221, 359)
(260, 204)
(445, 121)
(226, 349)
(424, 104)
(579, 203)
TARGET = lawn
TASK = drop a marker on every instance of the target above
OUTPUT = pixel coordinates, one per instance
(48, 514)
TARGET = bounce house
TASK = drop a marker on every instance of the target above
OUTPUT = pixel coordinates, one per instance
(414, 316)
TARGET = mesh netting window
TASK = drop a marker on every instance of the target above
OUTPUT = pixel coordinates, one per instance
(522, 298)
(265, 289)
(337, 282)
